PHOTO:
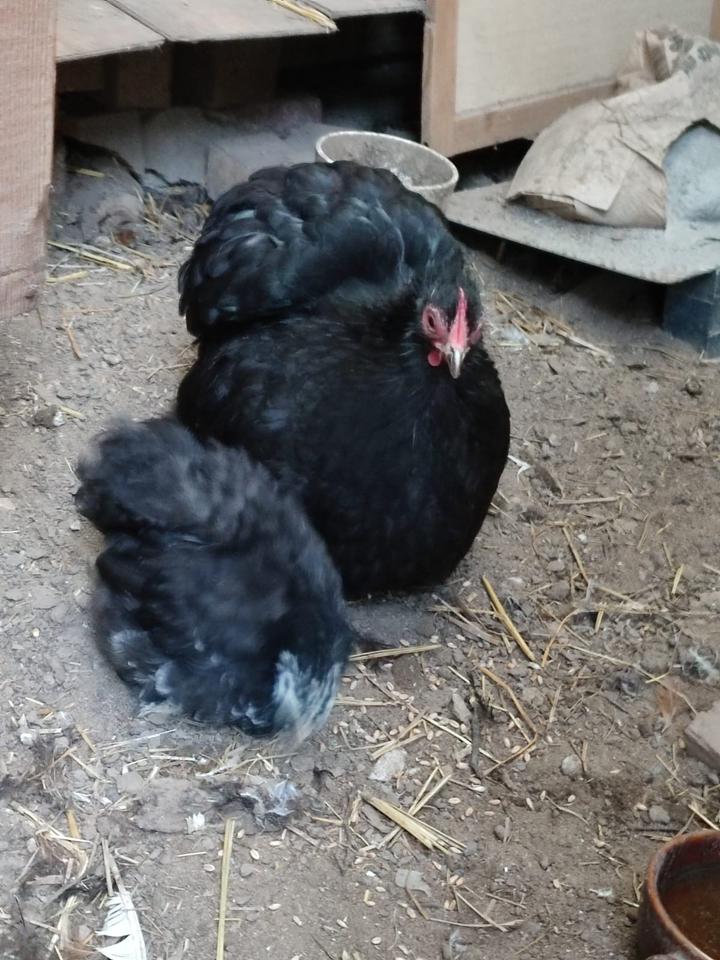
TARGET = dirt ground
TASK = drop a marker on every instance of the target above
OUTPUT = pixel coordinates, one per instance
(552, 782)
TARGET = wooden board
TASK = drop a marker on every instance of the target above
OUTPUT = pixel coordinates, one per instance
(550, 46)
(92, 28)
(496, 70)
(194, 20)
(660, 256)
(27, 77)
(364, 8)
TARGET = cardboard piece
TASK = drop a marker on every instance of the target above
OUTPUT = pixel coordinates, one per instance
(603, 161)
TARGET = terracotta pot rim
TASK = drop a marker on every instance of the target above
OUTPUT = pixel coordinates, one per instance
(653, 894)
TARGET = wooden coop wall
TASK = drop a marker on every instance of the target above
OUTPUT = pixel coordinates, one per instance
(496, 70)
(27, 78)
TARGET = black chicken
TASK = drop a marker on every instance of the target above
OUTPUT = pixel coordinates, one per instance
(215, 594)
(340, 343)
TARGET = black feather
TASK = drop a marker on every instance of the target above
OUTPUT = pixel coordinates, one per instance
(306, 289)
(214, 594)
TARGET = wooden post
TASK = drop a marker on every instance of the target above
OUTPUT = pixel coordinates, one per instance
(715, 21)
(439, 75)
(27, 79)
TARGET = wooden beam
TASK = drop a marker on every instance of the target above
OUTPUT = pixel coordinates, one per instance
(715, 21)
(439, 74)
(228, 74)
(140, 80)
(364, 8)
(190, 22)
(27, 77)
(92, 28)
(475, 130)
(80, 76)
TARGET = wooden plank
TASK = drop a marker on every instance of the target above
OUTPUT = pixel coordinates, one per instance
(512, 50)
(74, 76)
(189, 21)
(439, 73)
(228, 74)
(512, 66)
(715, 21)
(27, 75)
(523, 120)
(364, 8)
(93, 28)
(660, 256)
(141, 80)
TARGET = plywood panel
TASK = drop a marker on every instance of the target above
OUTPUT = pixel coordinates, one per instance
(92, 28)
(510, 50)
(27, 79)
(194, 20)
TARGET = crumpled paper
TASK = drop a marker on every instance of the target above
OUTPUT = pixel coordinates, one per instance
(602, 162)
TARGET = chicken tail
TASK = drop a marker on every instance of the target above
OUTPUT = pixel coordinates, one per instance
(303, 699)
(157, 476)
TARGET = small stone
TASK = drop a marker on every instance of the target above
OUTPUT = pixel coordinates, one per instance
(389, 766)
(693, 387)
(558, 591)
(544, 863)
(130, 782)
(571, 766)
(502, 832)
(59, 613)
(48, 416)
(655, 773)
(460, 709)
(111, 359)
(411, 880)
(556, 566)
(658, 814)
(246, 870)
(628, 428)
(655, 662)
(75, 525)
(519, 670)
(44, 598)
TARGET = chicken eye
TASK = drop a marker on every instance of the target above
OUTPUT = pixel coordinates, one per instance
(432, 321)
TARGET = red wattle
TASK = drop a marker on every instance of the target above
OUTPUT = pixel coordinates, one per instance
(435, 358)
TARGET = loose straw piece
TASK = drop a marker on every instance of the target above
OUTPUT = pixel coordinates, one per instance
(508, 689)
(387, 652)
(224, 881)
(310, 13)
(428, 836)
(504, 618)
(576, 555)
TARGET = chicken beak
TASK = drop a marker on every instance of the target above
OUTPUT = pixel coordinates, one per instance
(457, 344)
(454, 357)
